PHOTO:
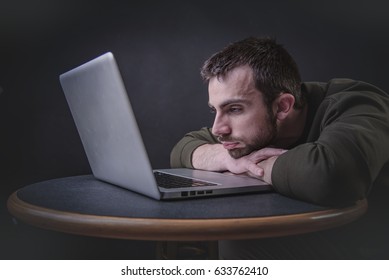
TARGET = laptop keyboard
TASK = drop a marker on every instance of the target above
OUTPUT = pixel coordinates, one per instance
(169, 181)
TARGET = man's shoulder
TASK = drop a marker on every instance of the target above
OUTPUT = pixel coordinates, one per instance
(341, 85)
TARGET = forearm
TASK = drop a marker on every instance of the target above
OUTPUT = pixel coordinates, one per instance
(181, 155)
(211, 157)
(215, 157)
(322, 175)
(341, 164)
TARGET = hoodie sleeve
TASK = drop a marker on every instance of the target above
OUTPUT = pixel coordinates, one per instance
(181, 154)
(341, 165)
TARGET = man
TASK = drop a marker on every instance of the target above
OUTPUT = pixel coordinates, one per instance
(324, 143)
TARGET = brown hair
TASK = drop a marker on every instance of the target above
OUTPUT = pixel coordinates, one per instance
(274, 69)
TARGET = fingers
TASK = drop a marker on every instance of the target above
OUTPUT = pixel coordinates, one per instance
(265, 153)
(255, 170)
(269, 152)
(251, 164)
(259, 164)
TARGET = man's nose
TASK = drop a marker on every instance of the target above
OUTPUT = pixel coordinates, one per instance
(221, 126)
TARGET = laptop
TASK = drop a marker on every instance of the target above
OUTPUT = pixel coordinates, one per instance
(105, 121)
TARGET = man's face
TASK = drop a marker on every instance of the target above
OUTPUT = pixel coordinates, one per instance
(242, 123)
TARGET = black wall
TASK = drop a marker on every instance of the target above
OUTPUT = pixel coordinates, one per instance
(159, 46)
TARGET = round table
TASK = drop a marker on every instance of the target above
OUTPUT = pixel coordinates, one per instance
(86, 206)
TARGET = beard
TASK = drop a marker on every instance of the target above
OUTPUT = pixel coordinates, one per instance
(263, 138)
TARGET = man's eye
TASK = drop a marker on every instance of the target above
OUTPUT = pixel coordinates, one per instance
(212, 110)
(235, 110)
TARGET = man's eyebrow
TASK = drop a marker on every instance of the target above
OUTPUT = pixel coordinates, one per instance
(231, 101)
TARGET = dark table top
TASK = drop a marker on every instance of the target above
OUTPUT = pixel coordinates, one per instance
(85, 205)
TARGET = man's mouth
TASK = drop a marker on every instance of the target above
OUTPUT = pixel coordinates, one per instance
(230, 145)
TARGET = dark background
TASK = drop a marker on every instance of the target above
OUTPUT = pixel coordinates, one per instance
(159, 46)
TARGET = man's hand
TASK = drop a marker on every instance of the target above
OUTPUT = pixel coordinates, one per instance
(258, 164)
(267, 167)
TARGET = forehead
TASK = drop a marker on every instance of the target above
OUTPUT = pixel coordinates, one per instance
(236, 84)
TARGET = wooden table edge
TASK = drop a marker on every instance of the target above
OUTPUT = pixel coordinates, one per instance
(158, 229)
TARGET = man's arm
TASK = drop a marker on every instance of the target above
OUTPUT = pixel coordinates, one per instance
(181, 154)
(200, 150)
(214, 157)
(341, 165)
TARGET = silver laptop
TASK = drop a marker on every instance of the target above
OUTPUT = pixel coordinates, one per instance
(109, 133)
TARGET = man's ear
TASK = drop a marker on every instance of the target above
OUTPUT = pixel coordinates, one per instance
(283, 105)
